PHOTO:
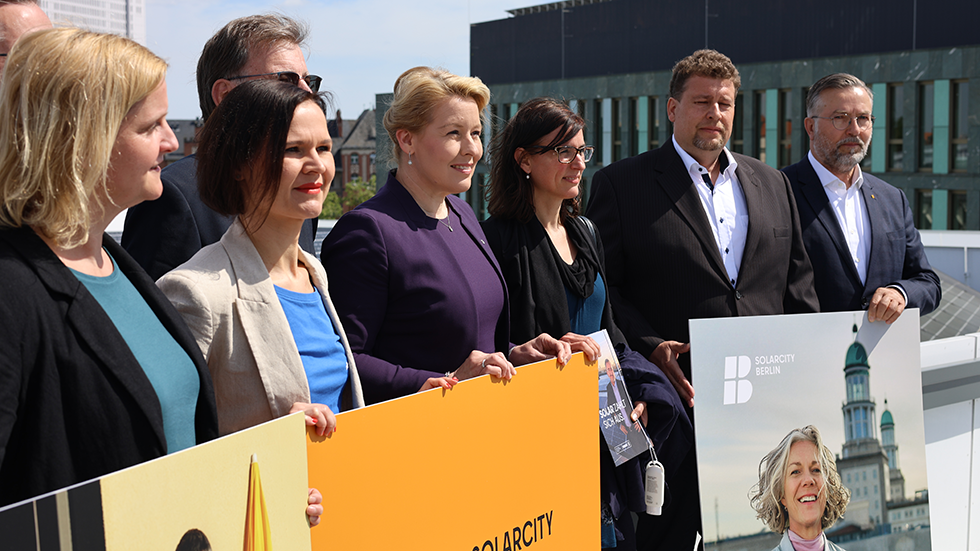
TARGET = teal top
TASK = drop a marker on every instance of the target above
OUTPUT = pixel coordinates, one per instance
(168, 367)
(586, 313)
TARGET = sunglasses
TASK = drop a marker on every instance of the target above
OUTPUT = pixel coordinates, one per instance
(312, 81)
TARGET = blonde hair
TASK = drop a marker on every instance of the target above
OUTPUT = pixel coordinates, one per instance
(64, 96)
(766, 495)
(419, 90)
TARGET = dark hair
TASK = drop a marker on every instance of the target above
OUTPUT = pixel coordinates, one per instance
(836, 81)
(194, 540)
(510, 193)
(239, 159)
(229, 49)
(702, 63)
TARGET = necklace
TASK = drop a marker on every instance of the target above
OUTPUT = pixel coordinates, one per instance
(445, 222)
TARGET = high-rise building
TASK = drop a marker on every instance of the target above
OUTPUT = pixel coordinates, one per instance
(613, 58)
(122, 17)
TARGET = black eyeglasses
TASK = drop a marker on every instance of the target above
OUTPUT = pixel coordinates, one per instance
(312, 81)
(567, 153)
(843, 121)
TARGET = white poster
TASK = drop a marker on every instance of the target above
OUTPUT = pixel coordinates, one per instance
(758, 378)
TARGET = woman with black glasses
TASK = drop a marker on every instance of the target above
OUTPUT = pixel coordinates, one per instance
(552, 261)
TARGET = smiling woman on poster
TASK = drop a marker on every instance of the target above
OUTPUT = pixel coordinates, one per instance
(799, 493)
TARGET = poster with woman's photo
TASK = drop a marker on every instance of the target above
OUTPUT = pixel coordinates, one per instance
(624, 437)
(810, 427)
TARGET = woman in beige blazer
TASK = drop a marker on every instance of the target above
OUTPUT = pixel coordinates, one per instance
(265, 157)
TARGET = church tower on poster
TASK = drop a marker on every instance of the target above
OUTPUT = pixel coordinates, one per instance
(869, 466)
(863, 464)
(888, 443)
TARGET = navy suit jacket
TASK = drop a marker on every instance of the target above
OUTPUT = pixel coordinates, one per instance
(662, 259)
(897, 255)
(164, 233)
(402, 296)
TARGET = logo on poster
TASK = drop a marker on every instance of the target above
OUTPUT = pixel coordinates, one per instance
(738, 389)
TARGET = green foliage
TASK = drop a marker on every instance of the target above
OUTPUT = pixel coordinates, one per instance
(331, 207)
(357, 191)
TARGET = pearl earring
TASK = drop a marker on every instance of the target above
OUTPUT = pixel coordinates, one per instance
(527, 175)
(409, 158)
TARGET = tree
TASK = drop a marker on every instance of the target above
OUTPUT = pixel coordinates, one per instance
(331, 207)
(357, 191)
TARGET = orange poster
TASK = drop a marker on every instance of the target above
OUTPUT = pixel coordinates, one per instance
(487, 466)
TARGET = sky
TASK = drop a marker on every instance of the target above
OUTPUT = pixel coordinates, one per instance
(359, 47)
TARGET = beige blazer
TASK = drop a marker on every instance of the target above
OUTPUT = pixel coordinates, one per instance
(225, 295)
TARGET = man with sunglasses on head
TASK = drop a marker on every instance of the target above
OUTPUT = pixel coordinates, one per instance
(857, 229)
(165, 233)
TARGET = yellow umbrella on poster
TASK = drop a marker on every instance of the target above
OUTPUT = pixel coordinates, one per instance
(258, 534)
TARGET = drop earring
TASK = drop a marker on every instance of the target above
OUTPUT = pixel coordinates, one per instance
(527, 175)
(409, 158)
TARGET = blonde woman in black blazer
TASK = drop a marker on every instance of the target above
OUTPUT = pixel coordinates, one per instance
(83, 134)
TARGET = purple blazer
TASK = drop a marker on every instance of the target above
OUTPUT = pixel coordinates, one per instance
(402, 295)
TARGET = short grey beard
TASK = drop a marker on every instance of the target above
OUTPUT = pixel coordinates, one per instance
(845, 162)
(708, 145)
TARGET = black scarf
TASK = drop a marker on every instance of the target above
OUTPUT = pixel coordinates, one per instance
(580, 277)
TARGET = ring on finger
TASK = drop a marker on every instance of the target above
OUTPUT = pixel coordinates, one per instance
(484, 364)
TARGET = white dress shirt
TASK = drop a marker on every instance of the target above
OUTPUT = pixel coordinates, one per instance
(724, 204)
(851, 213)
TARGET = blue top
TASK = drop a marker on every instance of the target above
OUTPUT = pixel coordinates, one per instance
(319, 345)
(586, 313)
(168, 367)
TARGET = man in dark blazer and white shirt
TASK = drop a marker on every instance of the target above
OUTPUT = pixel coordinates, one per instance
(692, 230)
(857, 229)
(164, 233)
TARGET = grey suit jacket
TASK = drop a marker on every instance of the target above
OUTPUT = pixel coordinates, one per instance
(229, 302)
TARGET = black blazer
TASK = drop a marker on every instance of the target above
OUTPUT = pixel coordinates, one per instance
(74, 402)
(897, 254)
(662, 259)
(538, 304)
(164, 233)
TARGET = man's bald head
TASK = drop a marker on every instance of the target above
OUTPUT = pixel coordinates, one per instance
(16, 19)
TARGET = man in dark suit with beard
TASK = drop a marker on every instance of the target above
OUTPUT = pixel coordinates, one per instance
(857, 229)
(694, 231)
